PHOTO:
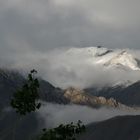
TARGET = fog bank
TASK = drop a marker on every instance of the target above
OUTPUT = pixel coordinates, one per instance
(55, 114)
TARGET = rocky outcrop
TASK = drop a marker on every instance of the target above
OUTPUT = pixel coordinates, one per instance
(78, 96)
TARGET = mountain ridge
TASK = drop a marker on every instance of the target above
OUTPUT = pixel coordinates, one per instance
(117, 128)
(128, 95)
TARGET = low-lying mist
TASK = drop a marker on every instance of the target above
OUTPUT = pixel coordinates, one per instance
(55, 114)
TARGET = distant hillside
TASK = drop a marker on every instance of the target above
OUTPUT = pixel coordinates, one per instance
(118, 128)
(129, 95)
(10, 81)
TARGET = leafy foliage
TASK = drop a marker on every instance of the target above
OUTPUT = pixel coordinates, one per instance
(63, 132)
(25, 100)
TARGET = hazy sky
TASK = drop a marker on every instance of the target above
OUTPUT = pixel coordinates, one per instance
(27, 25)
(30, 27)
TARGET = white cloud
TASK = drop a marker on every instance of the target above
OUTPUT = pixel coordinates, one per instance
(67, 3)
(79, 70)
(64, 68)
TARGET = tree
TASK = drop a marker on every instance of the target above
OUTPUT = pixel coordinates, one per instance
(25, 100)
(63, 132)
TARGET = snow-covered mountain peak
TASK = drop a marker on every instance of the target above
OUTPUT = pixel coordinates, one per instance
(123, 59)
(106, 57)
